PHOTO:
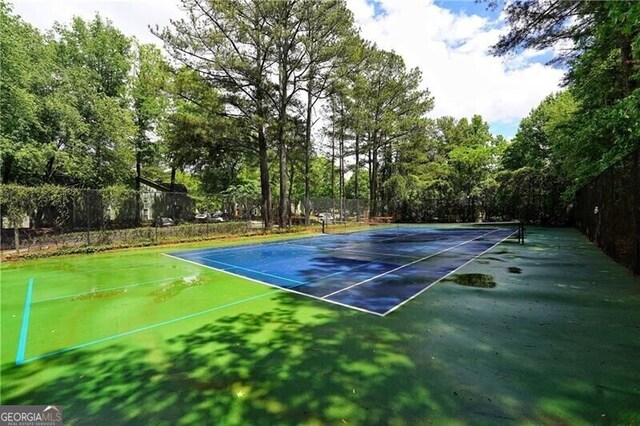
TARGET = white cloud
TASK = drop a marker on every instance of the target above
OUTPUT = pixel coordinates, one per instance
(452, 50)
(362, 11)
(132, 17)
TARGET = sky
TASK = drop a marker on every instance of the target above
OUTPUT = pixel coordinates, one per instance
(448, 40)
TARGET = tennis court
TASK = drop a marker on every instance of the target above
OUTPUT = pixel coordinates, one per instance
(136, 336)
(375, 271)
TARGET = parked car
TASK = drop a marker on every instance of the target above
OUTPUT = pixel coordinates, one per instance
(325, 217)
(165, 221)
(202, 217)
(216, 217)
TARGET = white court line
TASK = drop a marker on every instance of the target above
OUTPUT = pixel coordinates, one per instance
(312, 281)
(249, 270)
(342, 272)
(249, 245)
(398, 235)
(339, 249)
(275, 286)
(287, 241)
(288, 279)
(405, 265)
(444, 276)
(323, 298)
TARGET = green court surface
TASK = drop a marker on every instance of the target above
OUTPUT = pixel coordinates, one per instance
(542, 333)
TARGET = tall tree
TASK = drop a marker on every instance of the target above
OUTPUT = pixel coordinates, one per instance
(228, 43)
(198, 136)
(327, 30)
(395, 108)
(65, 116)
(93, 64)
(598, 41)
(285, 27)
(149, 103)
(25, 69)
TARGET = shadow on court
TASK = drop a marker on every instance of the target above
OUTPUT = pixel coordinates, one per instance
(546, 346)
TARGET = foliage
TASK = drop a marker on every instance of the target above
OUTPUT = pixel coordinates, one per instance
(65, 119)
(151, 76)
(600, 42)
(236, 113)
(230, 47)
(25, 61)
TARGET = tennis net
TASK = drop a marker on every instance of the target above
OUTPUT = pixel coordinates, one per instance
(425, 232)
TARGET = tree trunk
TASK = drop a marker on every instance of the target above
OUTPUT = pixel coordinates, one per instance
(138, 195)
(626, 57)
(16, 236)
(373, 193)
(138, 169)
(6, 169)
(173, 179)
(333, 166)
(357, 170)
(290, 195)
(282, 157)
(263, 149)
(341, 162)
(282, 146)
(48, 174)
(385, 196)
(265, 189)
(373, 175)
(307, 153)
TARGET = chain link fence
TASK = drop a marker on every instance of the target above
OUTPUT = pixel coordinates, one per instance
(53, 217)
(44, 218)
(607, 211)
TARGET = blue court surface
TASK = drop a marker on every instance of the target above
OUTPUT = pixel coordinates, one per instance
(375, 271)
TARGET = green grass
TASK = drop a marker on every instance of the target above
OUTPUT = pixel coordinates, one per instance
(161, 341)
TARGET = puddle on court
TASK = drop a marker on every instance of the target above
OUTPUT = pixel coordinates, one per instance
(515, 270)
(473, 280)
(174, 288)
(98, 294)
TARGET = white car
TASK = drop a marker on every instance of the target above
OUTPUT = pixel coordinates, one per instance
(216, 218)
(165, 221)
(325, 217)
(202, 217)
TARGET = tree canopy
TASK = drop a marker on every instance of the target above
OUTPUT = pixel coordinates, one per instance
(284, 100)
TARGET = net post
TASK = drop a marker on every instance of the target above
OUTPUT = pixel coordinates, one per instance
(323, 231)
(520, 232)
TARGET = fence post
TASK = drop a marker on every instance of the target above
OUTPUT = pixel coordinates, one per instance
(87, 215)
(16, 236)
(100, 195)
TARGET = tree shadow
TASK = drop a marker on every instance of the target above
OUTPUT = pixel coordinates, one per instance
(452, 357)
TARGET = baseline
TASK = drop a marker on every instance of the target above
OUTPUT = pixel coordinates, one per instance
(253, 271)
(405, 265)
(22, 342)
(445, 276)
(286, 289)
